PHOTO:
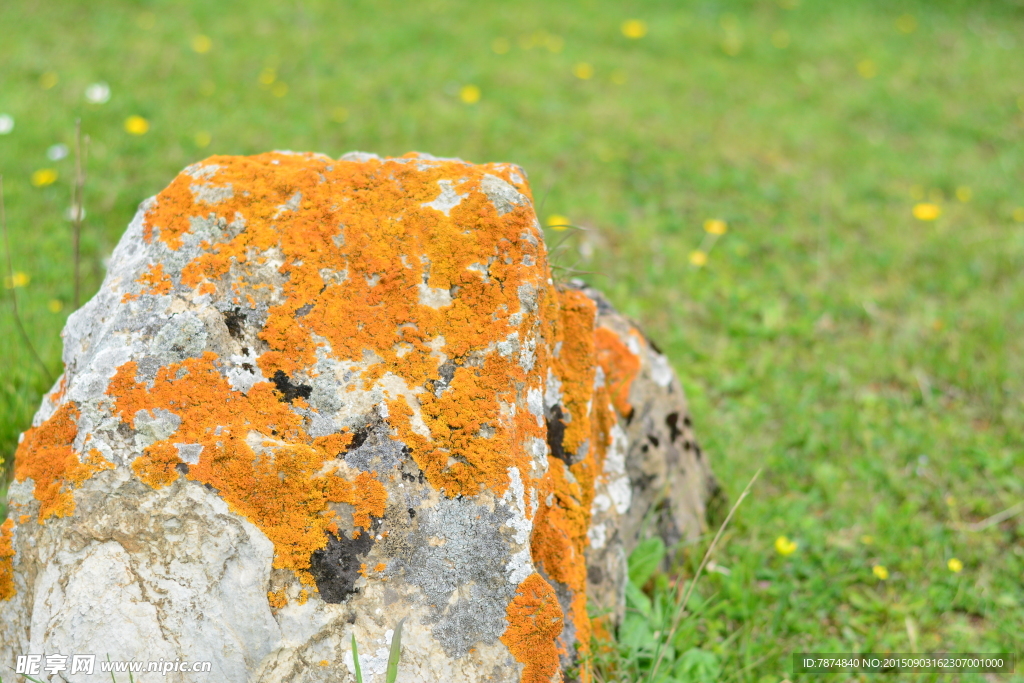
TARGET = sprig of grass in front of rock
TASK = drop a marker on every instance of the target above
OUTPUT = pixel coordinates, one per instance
(641, 651)
(394, 656)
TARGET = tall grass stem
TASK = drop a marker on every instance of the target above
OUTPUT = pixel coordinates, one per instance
(78, 208)
(681, 606)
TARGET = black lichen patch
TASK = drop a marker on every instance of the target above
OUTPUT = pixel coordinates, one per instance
(668, 528)
(235, 319)
(335, 567)
(418, 477)
(289, 392)
(556, 433)
(672, 420)
(358, 437)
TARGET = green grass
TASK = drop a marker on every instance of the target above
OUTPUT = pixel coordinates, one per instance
(872, 363)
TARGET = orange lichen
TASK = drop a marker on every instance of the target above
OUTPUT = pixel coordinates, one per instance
(534, 622)
(155, 282)
(575, 365)
(560, 529)
(7, 589)
(561, 522)
(620, 366)
(303, 596)
(380, 567)
(58, 393)
(255, 453)
(385, 236)
(47, 455)
(277, 599)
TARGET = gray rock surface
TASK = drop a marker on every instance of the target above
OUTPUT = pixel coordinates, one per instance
(315, 397)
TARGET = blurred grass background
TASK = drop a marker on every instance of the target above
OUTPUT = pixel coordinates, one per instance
(858, 330)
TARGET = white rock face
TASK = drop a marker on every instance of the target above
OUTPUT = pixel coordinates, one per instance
(316, 397)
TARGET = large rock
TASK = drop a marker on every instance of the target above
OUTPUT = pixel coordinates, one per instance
(315, 397)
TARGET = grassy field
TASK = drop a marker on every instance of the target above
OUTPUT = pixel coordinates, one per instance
(858, 331)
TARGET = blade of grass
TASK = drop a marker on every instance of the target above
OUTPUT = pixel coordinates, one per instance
(355, 659)
(681, 608)
(396, 653)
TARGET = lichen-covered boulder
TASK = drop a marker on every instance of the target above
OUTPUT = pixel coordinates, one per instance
(315, 397)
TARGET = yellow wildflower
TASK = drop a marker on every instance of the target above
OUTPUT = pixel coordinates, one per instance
(20, 279)
(470, 94)
(926, 211)
(955, 565)
(867, 540)
(634, 28)
(699, 258)
(867, 68)
(1018, 214)
(268, 76)
(880, 571)
(339, 114)
(201, 43)
(715, 226)
(48, 80)
(44, 177)
(964, 194)
(501, 46)
(783, 546)
(202, 139)
(583, 70)
(55, 305)
(136, 125)
(280, 89)
(558, 222)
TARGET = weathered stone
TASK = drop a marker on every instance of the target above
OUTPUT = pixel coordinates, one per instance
(314, 397)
